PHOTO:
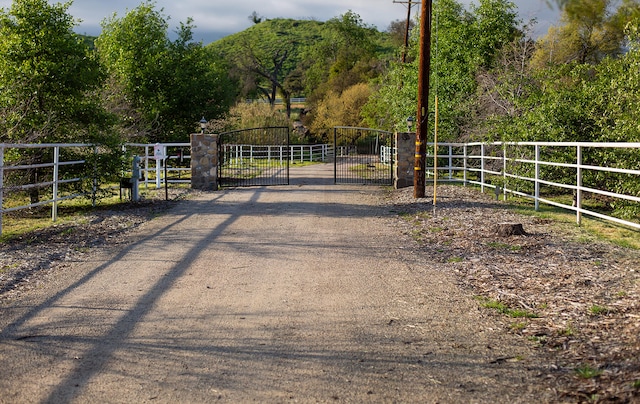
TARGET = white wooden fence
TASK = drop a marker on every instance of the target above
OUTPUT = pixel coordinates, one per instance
(53, 179)
(237, 153)
(505, 167)
(159, 164)
(171, 164)
(522, 169)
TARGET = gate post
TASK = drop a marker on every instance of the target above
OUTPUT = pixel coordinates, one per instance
(404, 160)
(204, 162)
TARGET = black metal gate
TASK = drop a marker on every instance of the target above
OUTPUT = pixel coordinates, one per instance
(363, 156)
(254, 157)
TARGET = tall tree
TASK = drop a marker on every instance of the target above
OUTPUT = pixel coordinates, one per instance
(47, 86)
(169, 84)
(343, 57)
(467, 41)
(267, 57)
(346, 56)
(268, 64)
(590, 30)
(46, 76)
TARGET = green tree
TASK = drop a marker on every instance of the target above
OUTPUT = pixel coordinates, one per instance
(349, 53)
(168, 85)
(269, 62)
(341, 109)
(267, 58)
(47, 77)
(590, 30)
(48, 90)
(464, 43)
(343, 57)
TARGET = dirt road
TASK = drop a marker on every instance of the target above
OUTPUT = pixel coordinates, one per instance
(305, 293)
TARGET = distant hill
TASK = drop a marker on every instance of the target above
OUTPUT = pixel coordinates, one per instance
(88, 40)
(272, 35)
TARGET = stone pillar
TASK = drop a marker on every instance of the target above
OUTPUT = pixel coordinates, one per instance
(204, 162)
(405, 160)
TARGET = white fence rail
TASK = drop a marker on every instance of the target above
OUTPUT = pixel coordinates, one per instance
(46, 172)
(237, 153)
(525, 168)
(386, 154)
(529, 169)
(162, 162)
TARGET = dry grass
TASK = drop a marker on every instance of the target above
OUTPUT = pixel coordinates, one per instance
(581, 290)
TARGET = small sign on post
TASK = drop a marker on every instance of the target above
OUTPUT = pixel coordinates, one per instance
(158, 151)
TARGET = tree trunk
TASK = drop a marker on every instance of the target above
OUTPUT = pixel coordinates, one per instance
(510, 229)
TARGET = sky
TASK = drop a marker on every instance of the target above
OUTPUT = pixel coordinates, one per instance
(216, 18)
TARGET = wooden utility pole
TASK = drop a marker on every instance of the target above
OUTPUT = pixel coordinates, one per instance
(422, 128)
(406, 31)
(406, 34)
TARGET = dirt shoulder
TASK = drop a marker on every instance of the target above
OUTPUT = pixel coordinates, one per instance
(576, 300)
(368, 293)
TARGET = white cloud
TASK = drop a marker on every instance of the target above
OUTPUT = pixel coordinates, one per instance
(216, 18)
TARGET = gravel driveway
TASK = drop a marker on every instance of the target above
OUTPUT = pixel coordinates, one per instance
(305, 293)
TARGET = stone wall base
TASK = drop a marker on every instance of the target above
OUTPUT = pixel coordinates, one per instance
(405, 159)
(204, 162)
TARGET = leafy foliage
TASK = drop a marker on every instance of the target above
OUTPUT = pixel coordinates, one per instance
(341, 109)
(167, 84)
(287, 58)
(47, 77)
(590, 31)
(254, 115)
(48, 82)
(267, 58)
(464, 42)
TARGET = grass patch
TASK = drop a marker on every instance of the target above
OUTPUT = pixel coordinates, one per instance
(538, 339)
(586, 371)
(376, 171)
(70, 212)
(566, 332)
(293, 164)
(506, 310)
(416, 235)
(636, 384)
(455, 259)
(598, 310)
(518, 326)
(521, 314)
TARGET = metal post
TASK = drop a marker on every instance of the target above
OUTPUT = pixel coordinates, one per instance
(166, 179)
(504, 171)
(482, 168)
(419, 183)
(335, 155)
(464, 162)
(537, 182)
(1, 183)
(146, 167)
(94, 189)
(135, 175)
(450, 162)
(579, 186)
(158, 173)
(56, 173)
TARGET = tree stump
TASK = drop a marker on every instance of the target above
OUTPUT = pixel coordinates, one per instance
(510, 229)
